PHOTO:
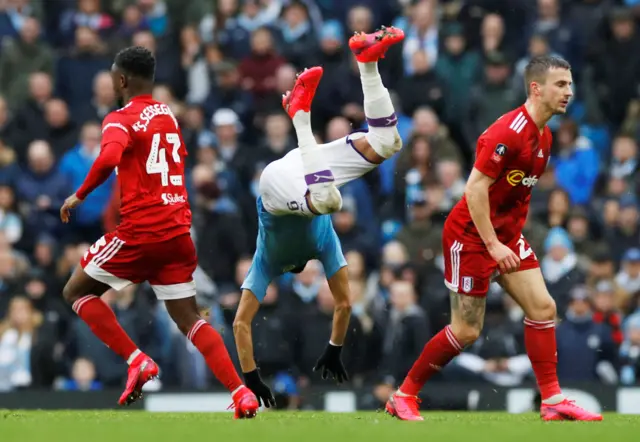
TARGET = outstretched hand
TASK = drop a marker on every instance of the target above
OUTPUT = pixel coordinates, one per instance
(70, 203)
(330, 364)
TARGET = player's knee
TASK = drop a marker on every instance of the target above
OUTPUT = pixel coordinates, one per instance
(545, 310)
(326, 200)
(70, 294)
(465, 333)
(386, 142)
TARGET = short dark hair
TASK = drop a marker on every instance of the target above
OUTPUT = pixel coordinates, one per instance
(136, 61)
(539, 66)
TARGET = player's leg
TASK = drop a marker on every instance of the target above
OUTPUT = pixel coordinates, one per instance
(467, 318)
(89, 281)
(173, 283)
(528, 289)
(323, 196)
(368, 49)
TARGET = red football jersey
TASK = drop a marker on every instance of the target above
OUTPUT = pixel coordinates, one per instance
(514, 153)
(153, 196)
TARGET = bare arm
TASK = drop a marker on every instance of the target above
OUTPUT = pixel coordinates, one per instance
(247, 310)
(339, 285)
(477, 193)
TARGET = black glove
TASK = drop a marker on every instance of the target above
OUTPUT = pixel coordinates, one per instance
(331, 364)
(253, 382)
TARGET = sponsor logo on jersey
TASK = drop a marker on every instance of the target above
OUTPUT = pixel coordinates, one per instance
(172, 198)
(500, 152)
(516, 177)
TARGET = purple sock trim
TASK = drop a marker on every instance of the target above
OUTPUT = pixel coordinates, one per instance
(322, 176)
(389, 121)
(350, 142)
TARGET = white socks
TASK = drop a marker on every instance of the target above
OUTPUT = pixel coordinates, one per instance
(316, 167)
(554, 400)
(383, 135)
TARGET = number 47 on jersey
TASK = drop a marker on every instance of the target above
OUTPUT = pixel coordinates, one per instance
(157, 160)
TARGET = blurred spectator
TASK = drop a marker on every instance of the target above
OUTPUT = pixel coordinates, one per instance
(75, 165)
(86, 14)
(402, 332)
(20, 58)
(15, 13)
(492, 97)
(421, 37)
(258, 70)
(422, 87)
(586, 351)
(75, 71)
(560, 266)
(10, 222)
(42, 189)
(62, 131)
(232, 152)
(219, 240)
(102, 102)
(576, 165)
(626, 232)
(459, 67)
(352, 236)
(630, 350)
(563, 36)
(169, 71)
(155, 15)
(30, 122)
(604, 309)
(579, 231)
(615, 71)
(83, 377)
(26, 353)
(297, 38)
(227, 93)
(629, 276)
(278, 139)
(625, 157)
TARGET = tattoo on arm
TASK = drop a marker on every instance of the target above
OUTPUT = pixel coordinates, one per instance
(469, 309)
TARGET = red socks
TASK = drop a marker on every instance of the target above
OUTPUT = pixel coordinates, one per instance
(103, 323)
(210, 344)
(540, 341)
(437, 353)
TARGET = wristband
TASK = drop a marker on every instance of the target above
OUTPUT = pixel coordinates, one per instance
(334, 345)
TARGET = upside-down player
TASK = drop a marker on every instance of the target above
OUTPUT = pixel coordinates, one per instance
(142, 141)
(299, 191)
(482, 238)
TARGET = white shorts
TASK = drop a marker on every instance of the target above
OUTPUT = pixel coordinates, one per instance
(282, 184)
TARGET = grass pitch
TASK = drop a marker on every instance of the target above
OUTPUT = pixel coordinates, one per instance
(103, 426)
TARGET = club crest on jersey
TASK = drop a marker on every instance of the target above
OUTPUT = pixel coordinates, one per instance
(467, 284)
(500, 152)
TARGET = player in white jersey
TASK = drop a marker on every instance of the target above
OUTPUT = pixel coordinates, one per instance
(300, 191)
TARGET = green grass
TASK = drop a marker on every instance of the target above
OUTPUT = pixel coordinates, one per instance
(139, 426)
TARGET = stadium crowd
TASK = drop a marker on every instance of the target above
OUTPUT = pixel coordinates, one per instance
(222, 67)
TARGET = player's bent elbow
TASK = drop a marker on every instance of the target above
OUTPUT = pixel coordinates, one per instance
(241, 326)
(343, 306)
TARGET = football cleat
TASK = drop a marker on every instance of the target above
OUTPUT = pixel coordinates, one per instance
(405, 408)
(245, 404)
(304, 89)
(567, 411)
(142, 370)
(369, 48)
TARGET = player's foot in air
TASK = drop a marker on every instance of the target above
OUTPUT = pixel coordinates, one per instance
(141, 371)
(301, 96)
(369, 48)
(245, 404)
(567, 410)
(405, 408)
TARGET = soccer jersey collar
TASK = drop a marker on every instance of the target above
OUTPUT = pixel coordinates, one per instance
(146, 97)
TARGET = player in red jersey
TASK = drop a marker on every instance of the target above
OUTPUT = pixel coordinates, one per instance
(482, 239)
(143, 143)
